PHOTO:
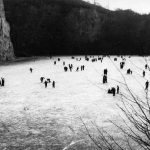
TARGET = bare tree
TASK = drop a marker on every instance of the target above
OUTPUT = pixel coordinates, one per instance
(136, 124)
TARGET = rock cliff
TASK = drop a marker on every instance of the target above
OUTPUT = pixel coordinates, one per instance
(6, 47)
(67, 27)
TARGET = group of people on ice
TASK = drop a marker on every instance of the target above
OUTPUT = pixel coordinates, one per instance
(70, 67)
(46, 81)
(113, 90)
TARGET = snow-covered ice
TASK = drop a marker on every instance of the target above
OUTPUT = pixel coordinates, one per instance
(76, 94)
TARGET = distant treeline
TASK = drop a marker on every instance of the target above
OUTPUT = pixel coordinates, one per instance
(65, 27)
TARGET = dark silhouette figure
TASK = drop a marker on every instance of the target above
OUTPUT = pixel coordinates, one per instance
(115, 59)
(143, 73)
(117, 89)
(109, 91)
(122, 65)
(53, 84)
(54, 62)
(77, 69)
(146, 85)
(113, 91)
(129, 71)
(58, 59)
(70, 67)
(104, 79)
(42, 78)
(45, 84)
(31, 70)
(146, 66)
(65, 69)
(48, 80)
(63, 63)
(2, 82)
(82, 67)
(105, 71)
(86, 58)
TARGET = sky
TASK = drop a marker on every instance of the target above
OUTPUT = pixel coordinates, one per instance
(140, 6)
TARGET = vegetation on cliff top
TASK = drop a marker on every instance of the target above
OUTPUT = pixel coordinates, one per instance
(64, 27)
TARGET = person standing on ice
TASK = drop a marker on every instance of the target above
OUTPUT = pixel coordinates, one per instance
(45, 84)
(77, 69)
(82, 68)
(117, 89)
(113, 91)
(146, 66)
(143, 73)
(104, 78)
(42, 78)
(53, 84)
(70, 67)
(2, 82)
(146, 85)
(105, 71)
(31, 70)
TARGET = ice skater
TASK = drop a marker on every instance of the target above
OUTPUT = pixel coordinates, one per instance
(117, 89)
(122, 65)
(104, 78)
(105, 71)
(146, 85)
(115, 59)
(77, 69)
(113, 91)
(65, 69)
(42, 79)
(146, 66)
(129, 71)
(53, 84)
(31, 70)
(70, 67)
(45, 83)
(143, 73)
(2, 82)
(82, 68)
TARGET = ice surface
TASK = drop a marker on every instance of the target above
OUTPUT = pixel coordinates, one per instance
(76, 94)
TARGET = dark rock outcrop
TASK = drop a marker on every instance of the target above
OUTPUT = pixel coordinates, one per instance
(6, 47)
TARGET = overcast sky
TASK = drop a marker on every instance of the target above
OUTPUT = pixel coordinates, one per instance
(140, 6)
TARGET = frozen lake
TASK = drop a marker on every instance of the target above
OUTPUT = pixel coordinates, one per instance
(25, 104)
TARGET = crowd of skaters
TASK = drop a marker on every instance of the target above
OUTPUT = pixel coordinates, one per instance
(47, 81)
(70, 67)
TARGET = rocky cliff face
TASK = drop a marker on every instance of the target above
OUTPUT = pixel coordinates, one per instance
(66, 27)
(6, 47)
